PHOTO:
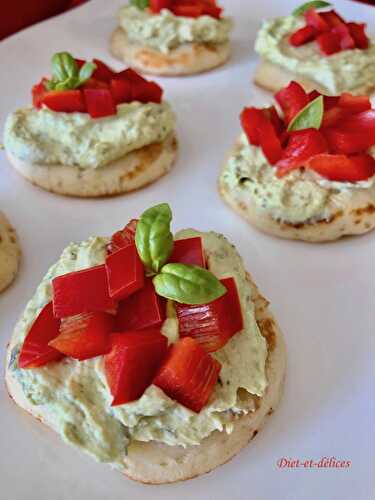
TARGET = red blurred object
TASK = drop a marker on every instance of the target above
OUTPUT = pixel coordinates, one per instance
(19, 14)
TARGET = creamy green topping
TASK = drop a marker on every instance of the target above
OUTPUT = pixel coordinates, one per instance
(343, 71)
(298, 197)
(165, 31)
(49, 138)
(77, 398)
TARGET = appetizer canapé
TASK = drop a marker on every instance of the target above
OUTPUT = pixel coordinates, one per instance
(318, 48)
(308, 173)
(9, 253)
(153, 353)
(92, 131)
(172, 37)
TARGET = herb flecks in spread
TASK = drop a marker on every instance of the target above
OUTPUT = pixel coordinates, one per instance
(164, 29)
(93, 116)
(159, 409)
(300, 44)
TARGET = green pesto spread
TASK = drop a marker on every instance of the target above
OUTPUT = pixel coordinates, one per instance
(75, 394)
(165, 31)
(344, 71)
(300, 196)
(49, 138)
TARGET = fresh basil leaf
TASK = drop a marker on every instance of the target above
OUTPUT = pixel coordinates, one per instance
(140, 4)
(50, 85)
(64, 66)
(315, 4)
(70, 83)
(311, 116)
(86, 72)
(153, 237)
(188, 284)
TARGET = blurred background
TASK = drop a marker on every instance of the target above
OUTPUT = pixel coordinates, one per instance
(18, 14)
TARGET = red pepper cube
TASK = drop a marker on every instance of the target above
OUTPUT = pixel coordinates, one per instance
(130, 75)
(346, 40)
(38, 92)
(212, 325)
(329, 43)
(354, 104)
(302, 145)
(292, 99)
(84, 336)
(260, 131)
(121, 239)
(147, 92)
(302, 36)
(67, 101)
(315, 20)
(35, 350)
(81, 292)
(188, 374)
(132, 363)
(189, 251)
(99, 102)
(332, 18)
(358, 32)
(125, 272)
(121, 90)
(343, 168)
(144, 309)
(102, 71)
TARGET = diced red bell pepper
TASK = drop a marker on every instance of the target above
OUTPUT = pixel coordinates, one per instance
(292, 99)
(132, 363)
(329, 101)
(333, 116)
(92, 83)
(35, 350)
(38, 92)
(188, 10)
(315, 20)
(260, 132)
(121, 90)
(346, 40)
(343, 168)
(157, 5)
(84, 336)
(188, 374)
(125, 272)
(103, 72)
(303, 35)
(302, 145)
(130, 75)
(81, 292)
(354, 104)
(213, 11)
(147, 92)
(189, 251)
(121, 239)
(332, 18)
(354, 134)
(272, 114)
(143, 309)
(358, 32)
(99, 102)
(329, 43)
(67, 101)
(213, 324)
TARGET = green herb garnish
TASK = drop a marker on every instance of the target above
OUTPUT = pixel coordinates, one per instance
(65, 72)
(153, 237)
(140, 4)
(315, 4)
(311, 116)
(188, 284)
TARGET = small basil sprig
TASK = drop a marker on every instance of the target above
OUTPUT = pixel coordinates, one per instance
(65, 72)
(188, 284)
(311, 116)
(140, 4)
(153, 237)
(315, 4)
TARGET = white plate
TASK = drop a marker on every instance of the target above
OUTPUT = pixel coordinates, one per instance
(322, 295)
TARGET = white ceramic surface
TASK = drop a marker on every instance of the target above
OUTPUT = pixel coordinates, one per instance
(322, 295)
